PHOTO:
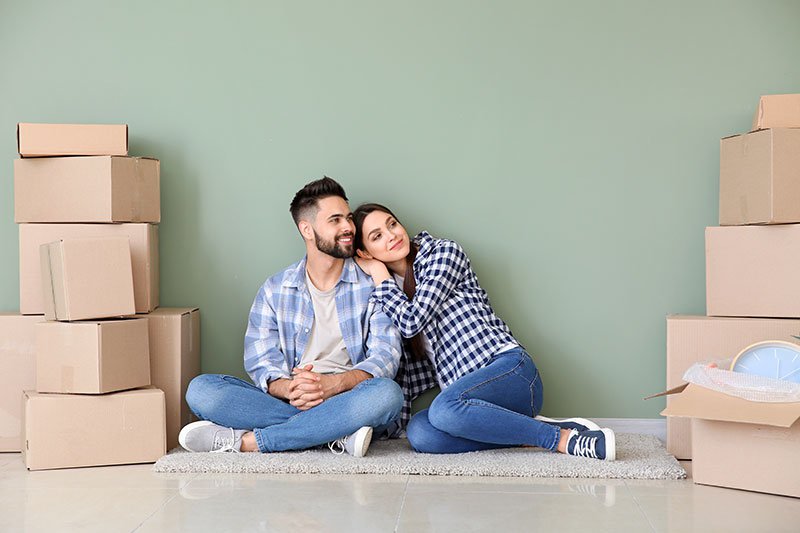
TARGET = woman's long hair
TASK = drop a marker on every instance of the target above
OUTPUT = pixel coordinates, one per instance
(416, 344)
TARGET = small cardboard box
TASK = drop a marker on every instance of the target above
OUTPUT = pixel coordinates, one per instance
(92, 357)
(44, 140)
(759, 178)
(752, 271)
(85, 279)
(777, 111)
(72, 430)
(87, 189)
(174, 361)
(144, 259)
(693, 339)
(18, 373)
(741, 444)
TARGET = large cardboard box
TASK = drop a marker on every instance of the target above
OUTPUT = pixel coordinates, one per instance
(759, 178)
(752, 271)
(87, 189)
(92, 357)
(144, 259)
(17, 373)
(174, 361)
(741, 444)
(39, 140)
(777, 111)
(71, 430)
(85, 279)
(693, 339)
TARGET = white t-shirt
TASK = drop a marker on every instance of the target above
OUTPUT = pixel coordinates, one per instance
(325, 349)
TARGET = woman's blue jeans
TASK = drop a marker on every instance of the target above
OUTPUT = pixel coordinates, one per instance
(279, 426)
(492, 407)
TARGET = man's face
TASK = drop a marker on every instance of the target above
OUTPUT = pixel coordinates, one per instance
(333, 228)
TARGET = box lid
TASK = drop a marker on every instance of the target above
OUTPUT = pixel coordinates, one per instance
(698, 402)
(777, 111)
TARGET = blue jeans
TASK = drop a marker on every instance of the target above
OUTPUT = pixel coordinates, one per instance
(279, 426)
(492, 407)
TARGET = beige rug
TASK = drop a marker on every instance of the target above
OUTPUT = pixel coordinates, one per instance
(638, 457)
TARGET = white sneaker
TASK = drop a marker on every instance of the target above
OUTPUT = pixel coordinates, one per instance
(356, 444)
(205, 436)
(578, 424)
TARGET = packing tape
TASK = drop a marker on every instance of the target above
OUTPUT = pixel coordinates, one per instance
(136, 212)
(52, 284)
(67, 378)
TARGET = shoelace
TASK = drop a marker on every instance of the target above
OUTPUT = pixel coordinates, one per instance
(585, 447)
(223, 442)
(337, 446)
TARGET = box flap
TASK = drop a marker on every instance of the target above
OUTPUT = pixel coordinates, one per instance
(673, 390)
(698, 402)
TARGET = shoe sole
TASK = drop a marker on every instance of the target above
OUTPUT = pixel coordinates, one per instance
(591, 426)
(362, 443)
(611, 444)
(185, 431)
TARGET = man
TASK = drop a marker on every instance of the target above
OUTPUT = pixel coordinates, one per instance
(321, 357)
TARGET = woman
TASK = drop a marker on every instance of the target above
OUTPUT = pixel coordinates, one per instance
(491, 390)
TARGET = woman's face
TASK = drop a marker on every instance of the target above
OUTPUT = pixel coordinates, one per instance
(384, 238)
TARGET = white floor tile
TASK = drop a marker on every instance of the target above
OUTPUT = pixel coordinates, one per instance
(283, 503)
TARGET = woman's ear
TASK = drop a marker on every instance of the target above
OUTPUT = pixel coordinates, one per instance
(363, 254)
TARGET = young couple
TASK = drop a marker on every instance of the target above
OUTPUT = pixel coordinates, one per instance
(337, 348)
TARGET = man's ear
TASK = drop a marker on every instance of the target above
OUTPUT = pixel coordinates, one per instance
(363, 254)
(306, 230)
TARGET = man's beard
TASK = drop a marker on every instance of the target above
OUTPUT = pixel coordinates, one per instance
(333, 248)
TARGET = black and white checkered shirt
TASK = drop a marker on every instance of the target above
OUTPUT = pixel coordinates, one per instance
(452, 311)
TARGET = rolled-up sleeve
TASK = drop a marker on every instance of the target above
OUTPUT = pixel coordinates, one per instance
(263, 359)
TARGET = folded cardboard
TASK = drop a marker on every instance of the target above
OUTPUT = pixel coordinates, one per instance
(92, 357)
(759, 178)
(72, 430)
(741, 444)
(87, 189)
(144, 259)
(40, 140)
(174, 361)
(752, 271)
(693, 339)
(777, 111)
(85, 279)
(17, 373)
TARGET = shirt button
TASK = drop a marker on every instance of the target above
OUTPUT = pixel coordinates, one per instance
(306, 330)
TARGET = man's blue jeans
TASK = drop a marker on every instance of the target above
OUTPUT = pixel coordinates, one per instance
(278, 426)
(492, 407)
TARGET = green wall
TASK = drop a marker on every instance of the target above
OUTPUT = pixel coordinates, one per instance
(571, 147)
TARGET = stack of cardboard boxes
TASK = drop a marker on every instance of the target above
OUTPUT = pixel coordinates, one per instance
(94, 385)
(752, 295)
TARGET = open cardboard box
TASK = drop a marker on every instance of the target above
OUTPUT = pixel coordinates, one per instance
(738, 443)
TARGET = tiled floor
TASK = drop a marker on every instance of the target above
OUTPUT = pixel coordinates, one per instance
(132, 498)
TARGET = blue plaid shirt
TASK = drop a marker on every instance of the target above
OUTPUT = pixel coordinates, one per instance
(282, 316)
(453, 312)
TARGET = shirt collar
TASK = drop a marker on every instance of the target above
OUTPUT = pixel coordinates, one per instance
(296, 276)
(424, 240)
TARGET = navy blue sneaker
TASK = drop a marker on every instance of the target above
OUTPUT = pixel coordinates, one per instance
(578, 424)
(599, 444)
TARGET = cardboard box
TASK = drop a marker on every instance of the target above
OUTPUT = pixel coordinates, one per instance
(777, 111)
(144, 259)
(752, 271)
(39, 140)
(71, 430)
(92, 357)
(692, 339)
(741, 444)
(174, 361)
(87, 189)
(759, 178)
(85, 279)
(18, 362)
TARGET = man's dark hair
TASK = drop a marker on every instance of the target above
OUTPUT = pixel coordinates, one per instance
(304, 204)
